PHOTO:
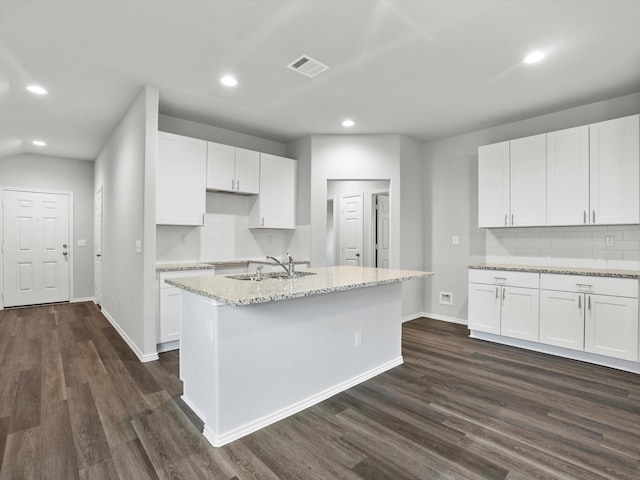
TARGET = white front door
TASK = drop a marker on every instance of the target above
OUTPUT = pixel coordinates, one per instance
(351, 229)
(382, 231)
(36, 248)
(98, 248)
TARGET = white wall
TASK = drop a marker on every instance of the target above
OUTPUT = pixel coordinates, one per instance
(219, 135)
(61, 174)
(452, 209)
(125, 169)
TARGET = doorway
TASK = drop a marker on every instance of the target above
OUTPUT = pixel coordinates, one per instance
(382, 230)
(36, 230)
(98, 247)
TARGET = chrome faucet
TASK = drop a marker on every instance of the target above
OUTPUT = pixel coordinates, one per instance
(289, 270)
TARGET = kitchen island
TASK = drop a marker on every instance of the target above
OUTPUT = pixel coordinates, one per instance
(255, 352)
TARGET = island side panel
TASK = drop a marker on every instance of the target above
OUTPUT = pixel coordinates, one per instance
(277, 358)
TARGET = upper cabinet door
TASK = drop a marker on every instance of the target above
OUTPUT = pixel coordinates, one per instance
(275, 207)
(180, 180)
(528, 181)
(568, 176)
(493, 185)
(247, 171)
(615, 171)
(220, 167)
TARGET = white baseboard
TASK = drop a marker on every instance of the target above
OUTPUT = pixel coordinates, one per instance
(83, 299)
(218, 440)
(445, 318)
(413, 316)
(141, 356)
(168, 346)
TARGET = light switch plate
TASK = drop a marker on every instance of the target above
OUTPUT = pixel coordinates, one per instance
(138, 246)
(609, 240)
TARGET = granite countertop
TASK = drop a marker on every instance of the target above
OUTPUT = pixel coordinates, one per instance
(593, 272)
(178, 267)
(325, 280)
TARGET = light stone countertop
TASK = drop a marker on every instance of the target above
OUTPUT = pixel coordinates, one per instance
(186, 266)
(325, 280)
(593, 272)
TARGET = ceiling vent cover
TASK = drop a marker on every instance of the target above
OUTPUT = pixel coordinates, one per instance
(307, 66)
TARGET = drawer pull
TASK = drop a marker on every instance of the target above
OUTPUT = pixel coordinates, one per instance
(579, 302)
(589, 299)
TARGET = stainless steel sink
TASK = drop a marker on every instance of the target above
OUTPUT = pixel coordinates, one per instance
(269, 275)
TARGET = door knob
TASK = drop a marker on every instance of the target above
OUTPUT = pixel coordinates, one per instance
(65, 253)
(357, 254)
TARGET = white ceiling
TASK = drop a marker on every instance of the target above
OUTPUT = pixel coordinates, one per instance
(427, 69)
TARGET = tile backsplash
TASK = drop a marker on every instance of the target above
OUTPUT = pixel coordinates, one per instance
(226, 236)
(583, 246)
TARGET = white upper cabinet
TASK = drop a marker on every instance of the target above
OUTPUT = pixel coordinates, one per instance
(512, 183)
(568, 176)
(588, 175)
(527, 161)
(180, 180)
(614, 148)
(275, 206)
(232, 169)
(493, 185)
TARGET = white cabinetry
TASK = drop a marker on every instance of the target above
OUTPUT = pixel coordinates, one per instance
(512, 183)
(169, 306)
(180, 180)
(611, 326)
(568, 176)
(614, 148)
(232, 169)
(275, 206)
(504, 303)
(562, 319)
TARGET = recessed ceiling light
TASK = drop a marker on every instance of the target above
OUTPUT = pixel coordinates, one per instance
(348, 123)
(229, 81)
(39, 143)
(37, 89)
(534, 57)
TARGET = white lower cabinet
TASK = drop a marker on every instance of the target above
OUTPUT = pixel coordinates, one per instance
(591, 314)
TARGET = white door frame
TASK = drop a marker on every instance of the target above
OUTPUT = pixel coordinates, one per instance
(71, 238)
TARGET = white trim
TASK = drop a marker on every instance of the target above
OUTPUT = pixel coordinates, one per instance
(412, 316)
(445, 318)
(142, 357)
(626, 365)
(83, 299)
(227, 437)
(168, 346)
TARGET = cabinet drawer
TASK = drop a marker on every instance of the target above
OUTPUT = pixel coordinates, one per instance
(618, 287)
(501, 277)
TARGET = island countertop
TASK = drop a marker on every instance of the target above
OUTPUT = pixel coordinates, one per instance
(323, 280)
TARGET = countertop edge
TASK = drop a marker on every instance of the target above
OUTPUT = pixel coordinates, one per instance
(590, 272)
(187, 266)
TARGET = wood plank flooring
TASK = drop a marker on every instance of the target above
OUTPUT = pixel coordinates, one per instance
(75, 403)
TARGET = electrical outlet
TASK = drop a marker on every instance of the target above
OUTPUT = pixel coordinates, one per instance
(446, 298)
(358, 338)
(455, 240)
(609, 241)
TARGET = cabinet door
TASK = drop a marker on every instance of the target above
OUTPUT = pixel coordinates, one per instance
(562, 319)
(180, 180)
(520, 307)
(614, 168)
(485, 302)
(247, 171)
(274, 207)
(611, 326)
(528, 181)
(568, 176)
(493, 185)
(220, 167)
(169, 314)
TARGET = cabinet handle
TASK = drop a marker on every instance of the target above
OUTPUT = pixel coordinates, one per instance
(496, 292)
(233, 184)
(262, 221)
(505, 219)
(579, 302)
(237, 184)
(512, 222)
(589, 300)
(584, 216)
(593, 216)
(504, 290)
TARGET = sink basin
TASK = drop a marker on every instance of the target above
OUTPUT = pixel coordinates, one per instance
(269, 275)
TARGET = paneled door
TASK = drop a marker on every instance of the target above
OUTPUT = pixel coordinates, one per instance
(36, 247)
(351, 230)
(382, 231)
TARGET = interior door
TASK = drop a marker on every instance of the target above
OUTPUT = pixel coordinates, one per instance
(36, 248)
(98, 247)
(351, 229)
(382, 231)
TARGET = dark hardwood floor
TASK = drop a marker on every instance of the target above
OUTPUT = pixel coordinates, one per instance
(75, 403)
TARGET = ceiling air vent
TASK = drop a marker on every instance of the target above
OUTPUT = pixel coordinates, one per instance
(307, 66)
